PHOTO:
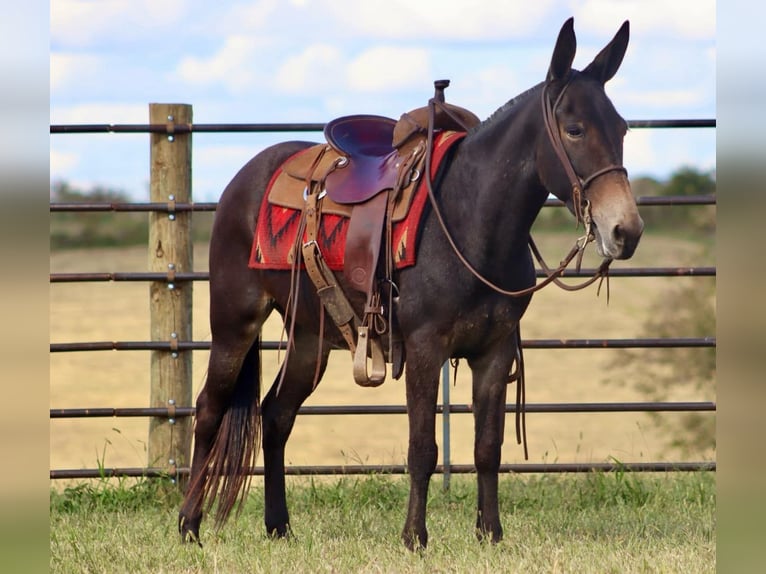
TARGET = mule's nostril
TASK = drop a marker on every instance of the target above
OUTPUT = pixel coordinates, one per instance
(617, 234)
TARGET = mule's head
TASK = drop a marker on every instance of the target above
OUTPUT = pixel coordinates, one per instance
(588, 132)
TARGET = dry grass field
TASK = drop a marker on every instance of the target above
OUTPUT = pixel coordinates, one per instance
(120, 312)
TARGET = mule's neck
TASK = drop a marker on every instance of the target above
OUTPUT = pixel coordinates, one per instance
(496, 192)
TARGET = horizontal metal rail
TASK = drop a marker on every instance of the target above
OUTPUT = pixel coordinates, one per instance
(530, 468)
(185, 128)
(205, 276)
(175, 345)
(120, 207)
(177, 412)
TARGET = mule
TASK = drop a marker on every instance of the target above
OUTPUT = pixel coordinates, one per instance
(488, 195)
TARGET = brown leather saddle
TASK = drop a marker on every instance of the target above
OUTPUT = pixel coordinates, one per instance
(373, 161)
(368, 170)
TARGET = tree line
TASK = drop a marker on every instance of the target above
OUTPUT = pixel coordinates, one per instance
(76, 230)
(111, 229)
(686, 181)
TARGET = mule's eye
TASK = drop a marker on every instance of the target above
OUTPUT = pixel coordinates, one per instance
(575, 131)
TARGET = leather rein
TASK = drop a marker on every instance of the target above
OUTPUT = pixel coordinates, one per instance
(582, 211)
(581, 205)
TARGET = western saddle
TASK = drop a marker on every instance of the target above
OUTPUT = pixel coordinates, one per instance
(368, 170)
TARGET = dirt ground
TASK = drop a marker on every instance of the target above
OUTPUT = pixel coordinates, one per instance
(120, 312)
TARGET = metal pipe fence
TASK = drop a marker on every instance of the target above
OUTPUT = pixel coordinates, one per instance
(173, 412)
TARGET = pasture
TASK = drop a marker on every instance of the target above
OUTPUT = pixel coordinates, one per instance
(596, 523)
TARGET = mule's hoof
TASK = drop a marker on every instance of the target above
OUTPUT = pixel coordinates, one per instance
(282, 532)
(189, 530)
(414, 542)
(488, 535)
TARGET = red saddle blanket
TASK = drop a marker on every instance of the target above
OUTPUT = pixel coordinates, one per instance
(277, 226)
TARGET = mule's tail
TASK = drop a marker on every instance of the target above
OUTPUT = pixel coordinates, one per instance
(235, 449)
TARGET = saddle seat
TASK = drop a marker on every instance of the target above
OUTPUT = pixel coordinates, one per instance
(361, 135)
(372, 161)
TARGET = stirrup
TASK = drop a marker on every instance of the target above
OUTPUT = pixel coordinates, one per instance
(361, 376)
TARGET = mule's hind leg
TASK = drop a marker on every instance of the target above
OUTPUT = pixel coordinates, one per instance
(223, 369)
(279, 410)
(234, 357)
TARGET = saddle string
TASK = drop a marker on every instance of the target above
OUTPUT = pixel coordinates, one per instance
(521, 395)
(291, 306)
(320, 344)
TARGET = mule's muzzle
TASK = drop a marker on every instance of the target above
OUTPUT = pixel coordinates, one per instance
(621, 240)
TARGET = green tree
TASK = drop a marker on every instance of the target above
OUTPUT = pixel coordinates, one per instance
(689, 181)
(106, 228)
(94, 229)
(684, 182)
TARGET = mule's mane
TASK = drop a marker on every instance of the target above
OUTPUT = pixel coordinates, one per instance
(501, 111)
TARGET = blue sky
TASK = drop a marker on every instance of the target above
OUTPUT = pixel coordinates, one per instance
(313, 60)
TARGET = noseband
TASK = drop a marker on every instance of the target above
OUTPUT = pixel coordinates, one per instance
(580, 204)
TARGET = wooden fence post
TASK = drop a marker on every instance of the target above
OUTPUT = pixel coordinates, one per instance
(170, 251)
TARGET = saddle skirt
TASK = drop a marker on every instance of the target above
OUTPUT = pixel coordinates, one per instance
(280, 212)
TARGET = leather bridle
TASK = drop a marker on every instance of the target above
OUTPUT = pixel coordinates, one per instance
(581, 206)
(578, 185)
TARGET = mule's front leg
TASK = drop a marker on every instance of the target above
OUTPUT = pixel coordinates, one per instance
(422, 390)
(489, 395)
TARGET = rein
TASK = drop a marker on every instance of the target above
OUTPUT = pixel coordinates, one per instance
(582, 211)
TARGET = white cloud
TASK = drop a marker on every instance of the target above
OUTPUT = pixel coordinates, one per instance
(664, 99)
(690, 19)
(232, 66)
(229, 156)
(486, 88)
(77, 22)
(388, 68)
(101, 113)
(68, 70)
(249, 15)
(82, 22)
(314, 69)
(661, 152)
(62, 162)
(639, 153)
(428, 19)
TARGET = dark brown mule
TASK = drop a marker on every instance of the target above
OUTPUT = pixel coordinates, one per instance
(489, 194)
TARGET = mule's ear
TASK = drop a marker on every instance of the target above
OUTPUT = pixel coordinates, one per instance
(563, 53)
(605, 65)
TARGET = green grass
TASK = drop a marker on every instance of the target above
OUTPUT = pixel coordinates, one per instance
(614, 522)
